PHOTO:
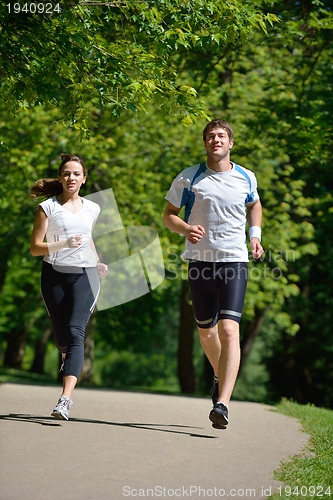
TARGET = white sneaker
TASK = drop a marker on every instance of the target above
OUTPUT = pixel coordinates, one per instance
(62, 409)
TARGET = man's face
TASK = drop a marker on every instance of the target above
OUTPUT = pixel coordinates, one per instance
(217, 143)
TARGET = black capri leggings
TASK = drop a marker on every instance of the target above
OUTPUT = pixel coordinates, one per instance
(70, 299)
(217, 291)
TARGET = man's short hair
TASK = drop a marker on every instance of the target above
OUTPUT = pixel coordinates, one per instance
(221, 124)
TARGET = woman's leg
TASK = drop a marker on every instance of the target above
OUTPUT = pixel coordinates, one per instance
(84, 292)
(54, 291)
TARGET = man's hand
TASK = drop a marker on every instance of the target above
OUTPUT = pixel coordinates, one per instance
(195, 233)
(257, 249)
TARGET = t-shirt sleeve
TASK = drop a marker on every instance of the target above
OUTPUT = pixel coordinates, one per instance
(47, 207)
(175, 193)
(96, 211)
(253, 195)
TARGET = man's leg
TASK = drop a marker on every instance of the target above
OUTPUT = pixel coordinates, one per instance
(229, 358)
(221, 345)
(211, 345)
(227, 371)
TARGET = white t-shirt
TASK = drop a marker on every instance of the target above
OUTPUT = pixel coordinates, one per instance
(217, 201)
(64, 224)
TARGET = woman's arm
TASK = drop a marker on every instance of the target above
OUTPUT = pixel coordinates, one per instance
(102, 269)
(37, 244)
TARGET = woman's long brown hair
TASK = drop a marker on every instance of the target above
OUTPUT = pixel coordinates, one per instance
(53, 187)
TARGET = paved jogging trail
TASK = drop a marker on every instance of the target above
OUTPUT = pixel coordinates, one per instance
(120, 445)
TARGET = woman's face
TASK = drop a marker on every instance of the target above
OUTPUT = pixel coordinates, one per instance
(72, 176)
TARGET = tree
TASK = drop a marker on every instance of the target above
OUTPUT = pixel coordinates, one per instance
(70, 58)
(275, 91)
(293, 120)
(304, 357)
(113, 54)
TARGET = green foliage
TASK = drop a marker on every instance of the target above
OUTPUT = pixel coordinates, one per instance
(127, 370)
(89, 68)
(313, 468)
(251, 384)
(115, 56)
(10, 375)
(298, 89)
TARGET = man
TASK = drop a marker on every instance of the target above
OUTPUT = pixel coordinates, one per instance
(218, 196)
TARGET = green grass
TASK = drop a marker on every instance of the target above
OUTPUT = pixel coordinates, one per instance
(10, 375)
(310, 474)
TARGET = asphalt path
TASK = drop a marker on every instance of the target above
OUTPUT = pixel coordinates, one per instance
(120, 445)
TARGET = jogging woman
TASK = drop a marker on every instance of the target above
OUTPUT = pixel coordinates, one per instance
(70, 269)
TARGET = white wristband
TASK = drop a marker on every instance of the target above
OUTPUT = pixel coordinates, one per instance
(255, 232)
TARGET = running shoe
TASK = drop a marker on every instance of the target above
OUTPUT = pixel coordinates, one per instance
(61, 411)
(214, 392)
(219, 416)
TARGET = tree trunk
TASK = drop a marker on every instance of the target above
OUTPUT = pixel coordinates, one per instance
(249, 335)
(40, 349)
(16, 341)
(186, 373)
(87, 373)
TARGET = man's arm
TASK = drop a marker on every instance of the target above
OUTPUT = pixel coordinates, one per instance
(254, 214)
(173, 222)
(254, 219)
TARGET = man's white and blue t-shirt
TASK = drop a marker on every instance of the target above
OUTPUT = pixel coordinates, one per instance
(64, 224)
(217, 201)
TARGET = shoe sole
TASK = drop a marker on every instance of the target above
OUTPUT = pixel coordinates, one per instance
(59, 415)
(218, 426)
(219, 421)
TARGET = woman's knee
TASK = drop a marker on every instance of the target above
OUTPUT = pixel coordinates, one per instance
(75, 335)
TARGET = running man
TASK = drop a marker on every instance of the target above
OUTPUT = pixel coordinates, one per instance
(219, 196)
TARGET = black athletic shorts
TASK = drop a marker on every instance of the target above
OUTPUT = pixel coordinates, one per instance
(217, 291)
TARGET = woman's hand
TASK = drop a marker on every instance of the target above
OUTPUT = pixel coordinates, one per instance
(75, 241)
(102, 270)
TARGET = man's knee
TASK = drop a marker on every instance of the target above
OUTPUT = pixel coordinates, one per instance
(208, 333)
(228, 330)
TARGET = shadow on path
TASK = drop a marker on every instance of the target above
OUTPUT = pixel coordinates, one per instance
(51, 422)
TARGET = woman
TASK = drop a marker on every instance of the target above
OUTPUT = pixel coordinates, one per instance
(71, 268)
